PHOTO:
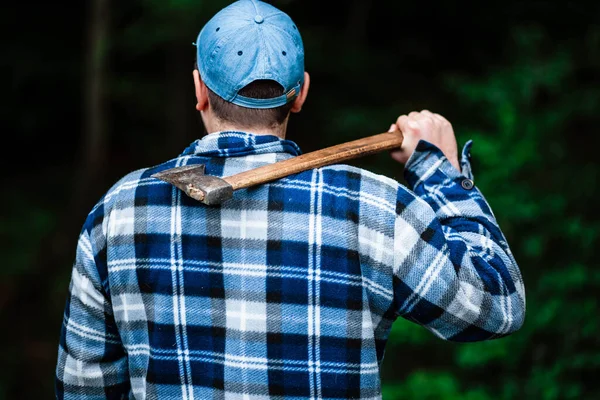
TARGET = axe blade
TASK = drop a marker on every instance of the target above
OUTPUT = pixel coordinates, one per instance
(196, 184)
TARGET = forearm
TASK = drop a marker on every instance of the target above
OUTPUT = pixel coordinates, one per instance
(471, 288)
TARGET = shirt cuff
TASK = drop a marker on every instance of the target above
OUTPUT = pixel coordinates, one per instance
(428, 158)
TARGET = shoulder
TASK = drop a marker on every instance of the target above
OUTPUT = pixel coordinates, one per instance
(118, 192)
(124, 188)
(131, 190)
(369, 180)
(366, 183)
(376, 192)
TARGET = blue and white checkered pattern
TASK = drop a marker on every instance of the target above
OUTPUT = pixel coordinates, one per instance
(286, 291)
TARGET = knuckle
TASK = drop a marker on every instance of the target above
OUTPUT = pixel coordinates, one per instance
(427, 122)
(412, 127)
(443, 120)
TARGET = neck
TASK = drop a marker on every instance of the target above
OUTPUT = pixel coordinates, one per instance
(280, 133)
(214, 126)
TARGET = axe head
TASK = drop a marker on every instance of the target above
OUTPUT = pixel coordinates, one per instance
(192, 180)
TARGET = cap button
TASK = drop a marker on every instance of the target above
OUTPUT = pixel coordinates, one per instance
(258, 19)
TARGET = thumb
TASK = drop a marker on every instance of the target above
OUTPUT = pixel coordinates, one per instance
(393, 128)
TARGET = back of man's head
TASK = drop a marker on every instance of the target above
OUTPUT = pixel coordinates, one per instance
(250, 56)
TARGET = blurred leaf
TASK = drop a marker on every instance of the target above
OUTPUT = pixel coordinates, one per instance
(430, 385)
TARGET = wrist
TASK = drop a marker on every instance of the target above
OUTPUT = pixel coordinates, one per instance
(427, 158)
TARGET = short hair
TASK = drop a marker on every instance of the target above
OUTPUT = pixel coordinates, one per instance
(251, 117)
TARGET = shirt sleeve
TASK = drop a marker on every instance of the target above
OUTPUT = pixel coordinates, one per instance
(91, 361)
(454, 272)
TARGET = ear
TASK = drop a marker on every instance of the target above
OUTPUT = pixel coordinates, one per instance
(299, 102)
(201, 92)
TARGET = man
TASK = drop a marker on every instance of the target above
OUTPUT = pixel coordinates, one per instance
(289, 289)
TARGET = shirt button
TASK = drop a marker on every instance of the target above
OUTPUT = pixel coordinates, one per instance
(467, 184)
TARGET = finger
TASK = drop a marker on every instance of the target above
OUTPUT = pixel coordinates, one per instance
(426, 122)
(399, 156)
(402, 123)
(393, 128)
(441, 119)
(414, 126)
(438, 117)
(427, 113)
(409, 123)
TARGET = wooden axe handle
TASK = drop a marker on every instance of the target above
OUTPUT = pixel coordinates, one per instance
(315, 159)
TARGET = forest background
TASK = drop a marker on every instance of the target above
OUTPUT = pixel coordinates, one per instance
(99, 88)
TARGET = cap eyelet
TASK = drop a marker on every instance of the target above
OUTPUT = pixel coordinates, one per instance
(240, 53)
(217, 30)
(284, 53)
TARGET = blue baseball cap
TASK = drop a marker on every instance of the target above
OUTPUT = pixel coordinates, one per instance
(247, 41)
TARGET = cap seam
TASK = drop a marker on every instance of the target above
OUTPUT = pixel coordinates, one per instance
(216, 49)
(255, 6)
(268, 58)
(273, 14)
(287, 33)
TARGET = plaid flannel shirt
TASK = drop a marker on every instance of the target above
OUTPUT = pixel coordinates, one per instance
(286, 291)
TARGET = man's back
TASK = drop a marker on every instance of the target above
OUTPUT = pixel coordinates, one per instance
(289, 289)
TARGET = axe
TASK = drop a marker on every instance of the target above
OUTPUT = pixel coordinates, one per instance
(214, 190)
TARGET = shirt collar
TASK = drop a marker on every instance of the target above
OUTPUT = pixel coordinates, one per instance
(236, 143)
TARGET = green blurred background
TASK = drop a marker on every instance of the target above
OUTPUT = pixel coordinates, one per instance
(99, 88)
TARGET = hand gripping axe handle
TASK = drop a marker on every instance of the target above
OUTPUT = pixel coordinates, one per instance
(215, 190)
